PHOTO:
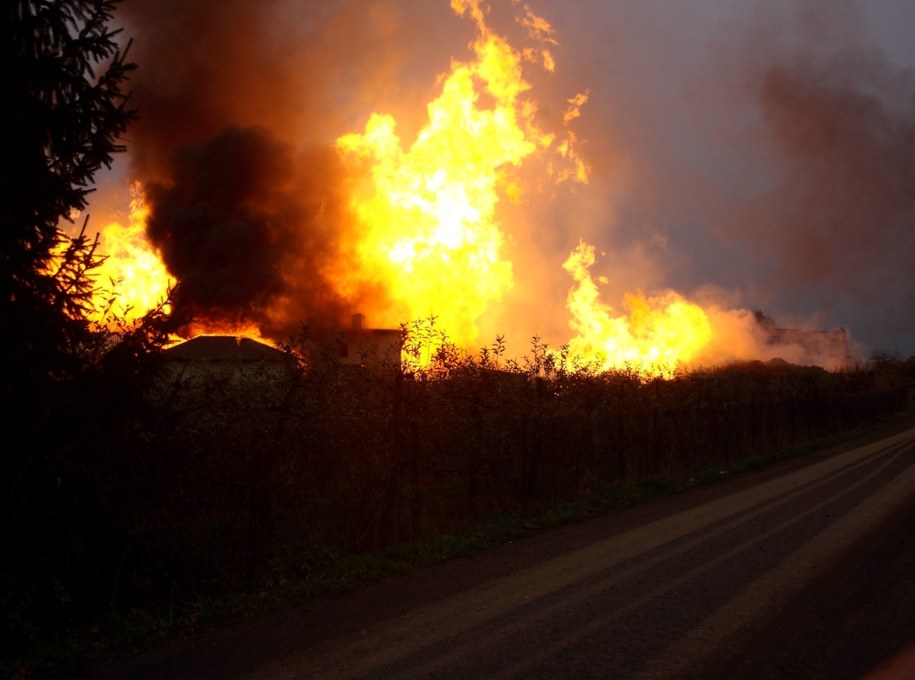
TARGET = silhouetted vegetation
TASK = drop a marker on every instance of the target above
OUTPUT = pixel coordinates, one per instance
(241, 481)
(68, 388)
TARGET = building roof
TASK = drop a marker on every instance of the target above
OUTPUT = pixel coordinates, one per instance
(224, 348)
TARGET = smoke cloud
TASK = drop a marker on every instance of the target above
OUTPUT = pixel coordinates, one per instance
(753, 155)
(239, 109)
(236, 223)
(843, 210)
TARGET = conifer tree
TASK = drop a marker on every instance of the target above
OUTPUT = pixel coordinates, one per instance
(63, 70)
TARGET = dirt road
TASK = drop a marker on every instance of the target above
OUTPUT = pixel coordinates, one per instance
(806, 570)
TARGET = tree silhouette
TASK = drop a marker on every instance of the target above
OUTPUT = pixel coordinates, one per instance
(62, 70)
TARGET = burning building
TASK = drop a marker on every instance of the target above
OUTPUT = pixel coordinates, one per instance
(225, 358)
(237, 358)
(273, 197)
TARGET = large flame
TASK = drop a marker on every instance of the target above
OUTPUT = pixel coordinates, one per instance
(426, 228)
(656, 335)
(427, 214)
(132, 280)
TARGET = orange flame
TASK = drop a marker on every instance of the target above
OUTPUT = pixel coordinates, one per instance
(427, 226)
(655, 336)
(426, 230)
(132, 280)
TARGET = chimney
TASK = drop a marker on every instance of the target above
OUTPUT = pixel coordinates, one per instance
(358, 321)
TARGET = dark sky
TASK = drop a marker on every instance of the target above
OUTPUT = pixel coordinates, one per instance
(752, 153)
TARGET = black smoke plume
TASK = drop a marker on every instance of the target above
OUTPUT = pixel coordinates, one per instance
(229, 220)
(232, 147)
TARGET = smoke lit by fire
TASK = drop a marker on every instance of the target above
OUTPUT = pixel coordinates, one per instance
(268, 207)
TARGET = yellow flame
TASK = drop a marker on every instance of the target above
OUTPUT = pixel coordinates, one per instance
(132, 280)
(427, 227)
(656, 335)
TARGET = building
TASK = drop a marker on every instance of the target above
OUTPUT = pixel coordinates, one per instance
(234, 358)
(225, 357)
(360, 346)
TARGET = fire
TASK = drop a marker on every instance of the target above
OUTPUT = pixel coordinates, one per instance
(656, 335)
(132, 280)
(426, 228)
(427, 214)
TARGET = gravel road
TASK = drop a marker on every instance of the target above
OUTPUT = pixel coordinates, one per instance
(804, 570)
